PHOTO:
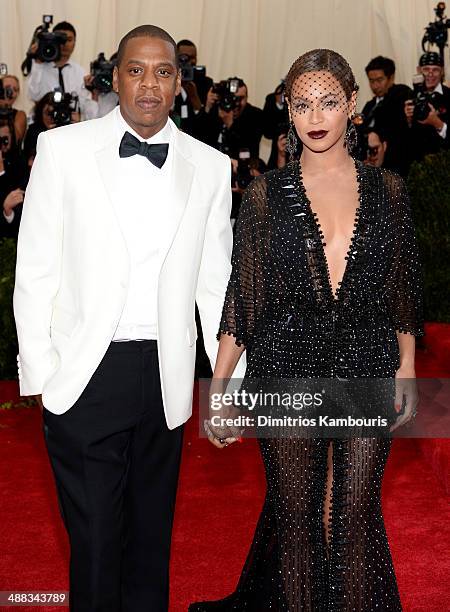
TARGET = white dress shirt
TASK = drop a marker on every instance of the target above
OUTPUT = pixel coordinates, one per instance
(44, 77)
(443, 131)
(144, 219)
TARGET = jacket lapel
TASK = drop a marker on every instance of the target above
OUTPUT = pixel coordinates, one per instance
(107, 157)
(181, 176)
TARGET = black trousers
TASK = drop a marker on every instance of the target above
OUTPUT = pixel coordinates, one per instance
(116, 467)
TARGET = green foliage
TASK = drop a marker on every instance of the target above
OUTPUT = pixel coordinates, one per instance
(429, 188)
(8, 338)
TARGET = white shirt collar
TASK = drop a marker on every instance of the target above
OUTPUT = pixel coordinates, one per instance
(438, 89)
(163, 136)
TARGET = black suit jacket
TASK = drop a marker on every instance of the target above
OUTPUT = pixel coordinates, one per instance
(424, 139)
(389, 116)
(189, 123)
(245, 132)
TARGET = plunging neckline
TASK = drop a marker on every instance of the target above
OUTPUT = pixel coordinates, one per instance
(334, 295)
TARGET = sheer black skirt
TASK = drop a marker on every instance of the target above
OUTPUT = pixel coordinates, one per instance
(291, 567)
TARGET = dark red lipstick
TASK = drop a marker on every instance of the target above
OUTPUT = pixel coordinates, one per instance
(318, 135)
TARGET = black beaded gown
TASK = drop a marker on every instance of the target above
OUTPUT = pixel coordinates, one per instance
(280, 305)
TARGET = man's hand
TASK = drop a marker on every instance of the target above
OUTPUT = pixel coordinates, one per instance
(211, 99)
(433, 119)
(38, 399)
(409, 111)
(88, 80)
(192, 93)
(281, 145)
(226, 117)
(33, 49)
(12, 200)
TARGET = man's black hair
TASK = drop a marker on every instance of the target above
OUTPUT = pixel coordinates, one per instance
(150, 31)
(66, 26)
(185, 43)
(379, 132)
(381, 63)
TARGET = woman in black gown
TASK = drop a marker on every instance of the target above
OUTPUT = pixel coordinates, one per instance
(325, 283)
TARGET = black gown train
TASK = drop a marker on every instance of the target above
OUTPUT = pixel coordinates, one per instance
(280, 305)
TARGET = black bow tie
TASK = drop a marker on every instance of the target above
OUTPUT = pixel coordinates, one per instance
(156, 153)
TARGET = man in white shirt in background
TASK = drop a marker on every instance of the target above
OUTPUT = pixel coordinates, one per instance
(64, 74)
(125, 225)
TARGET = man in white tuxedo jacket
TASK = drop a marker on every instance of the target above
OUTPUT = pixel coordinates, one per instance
(125, 225)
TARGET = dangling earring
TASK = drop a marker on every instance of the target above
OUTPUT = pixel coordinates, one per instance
(351, 137)
(291, 140)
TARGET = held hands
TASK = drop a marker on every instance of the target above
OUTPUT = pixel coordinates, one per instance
(219, 429)
(405, 387)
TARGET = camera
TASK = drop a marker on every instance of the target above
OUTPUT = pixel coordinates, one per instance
(243, 175)
(436, 32)
(227, 90)
(280, 90)
(63, 105)
(49, 45)
(102, 71)
(190, 72)
(423, 98)
(6, 93)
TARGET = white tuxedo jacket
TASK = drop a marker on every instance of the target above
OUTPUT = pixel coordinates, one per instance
(73, 266)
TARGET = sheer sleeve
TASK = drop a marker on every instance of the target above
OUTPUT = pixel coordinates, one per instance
(244, 298)
(404, 286)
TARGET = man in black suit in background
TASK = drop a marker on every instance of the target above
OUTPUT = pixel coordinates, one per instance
(194, 89)
(429, 134)
(385, 111)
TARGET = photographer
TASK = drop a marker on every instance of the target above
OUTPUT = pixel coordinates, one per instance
(63, 73)
(385, 111)
(9, 92)
(376, 148)
(427, 114)
(228, 121)
(275, 121)
(13, 179)
(48, 114)
(194, 87)
(99, 83)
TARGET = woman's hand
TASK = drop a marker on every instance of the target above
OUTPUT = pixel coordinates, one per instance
(220, 427)
(405, 386)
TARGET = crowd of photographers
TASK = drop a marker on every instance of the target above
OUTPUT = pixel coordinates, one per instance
(397, 126)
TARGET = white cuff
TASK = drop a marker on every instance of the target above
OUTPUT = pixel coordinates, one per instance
(443, 131)
(9, 218)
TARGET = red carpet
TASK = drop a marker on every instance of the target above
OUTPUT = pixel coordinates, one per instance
(219, 500)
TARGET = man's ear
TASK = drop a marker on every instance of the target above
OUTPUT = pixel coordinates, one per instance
(116, 79)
